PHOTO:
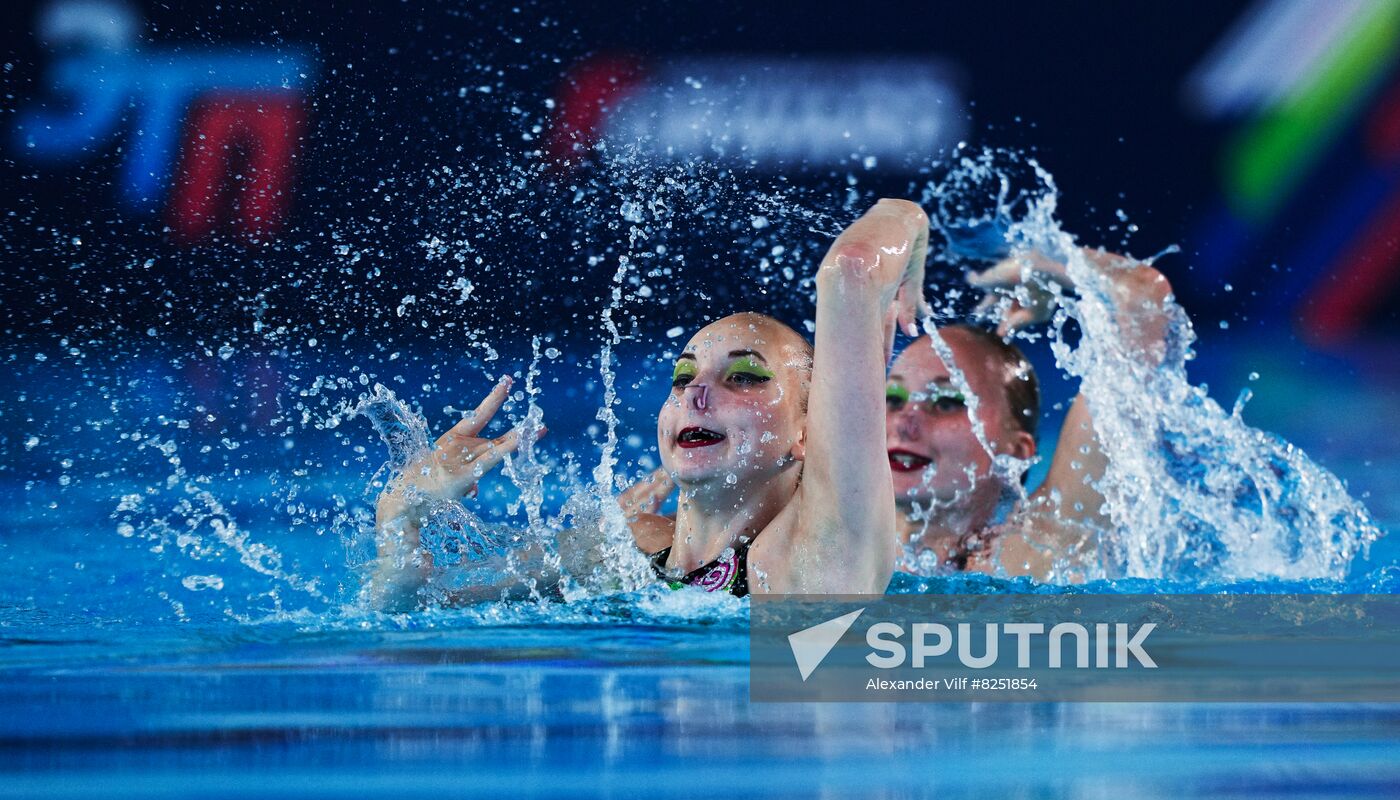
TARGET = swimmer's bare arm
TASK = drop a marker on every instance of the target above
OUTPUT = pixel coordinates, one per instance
(1140, 297)
(450, 470)
(871, 279)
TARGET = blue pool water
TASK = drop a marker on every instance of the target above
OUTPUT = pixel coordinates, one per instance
(618, 708)
(120, 677)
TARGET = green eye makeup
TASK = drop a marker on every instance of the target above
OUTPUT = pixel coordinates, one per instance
(951, 395)
(684, 373)
(896, 395)
(748, 369)
(937, 399)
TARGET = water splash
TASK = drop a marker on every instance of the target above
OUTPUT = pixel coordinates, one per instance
(1210, 498)
(184, 522)
(1193, 492)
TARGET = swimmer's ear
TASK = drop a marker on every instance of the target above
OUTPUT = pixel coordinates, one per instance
(799, 448)
(1021, 445)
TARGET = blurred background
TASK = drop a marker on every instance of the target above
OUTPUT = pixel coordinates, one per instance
(1261, 136)
(222, 221)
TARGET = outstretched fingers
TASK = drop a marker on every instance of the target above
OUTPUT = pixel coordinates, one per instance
(1019, 269)
(1016, 318)
(1009, 313)
(493, 451)
(485, 454)
(476, 421)
(463, 457)
(1024, 288)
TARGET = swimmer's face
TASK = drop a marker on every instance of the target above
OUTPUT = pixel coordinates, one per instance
(934, 454)
(735, 412)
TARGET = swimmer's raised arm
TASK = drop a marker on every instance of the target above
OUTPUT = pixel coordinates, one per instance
(1141, 302)
(446, 473)
(870, 280)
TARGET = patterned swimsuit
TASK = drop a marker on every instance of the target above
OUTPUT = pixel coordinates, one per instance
(728, 573)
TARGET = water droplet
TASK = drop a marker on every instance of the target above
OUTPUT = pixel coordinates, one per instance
(198, 583)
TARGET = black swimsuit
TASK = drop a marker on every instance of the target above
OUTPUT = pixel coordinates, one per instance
(728, 573)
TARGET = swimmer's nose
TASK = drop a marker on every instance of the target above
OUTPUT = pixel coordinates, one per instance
(907, 426)
(700, 398)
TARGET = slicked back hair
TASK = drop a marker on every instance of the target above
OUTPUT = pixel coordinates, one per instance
(1018, 376)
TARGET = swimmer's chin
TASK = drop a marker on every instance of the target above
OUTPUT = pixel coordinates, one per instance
(694, 471)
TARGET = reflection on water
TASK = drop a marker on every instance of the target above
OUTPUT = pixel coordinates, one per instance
(486, 711)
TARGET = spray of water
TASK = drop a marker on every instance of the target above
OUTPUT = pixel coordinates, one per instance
(185, 522)
(1193, 492)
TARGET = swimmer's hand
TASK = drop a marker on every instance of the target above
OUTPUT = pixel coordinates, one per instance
(451, 469)
(888, 245)
(461, 457)
(641, 503)
(1026, 289)
(909, 305)
(647, 495)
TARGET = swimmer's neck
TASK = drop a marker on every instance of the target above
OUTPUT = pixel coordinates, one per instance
(708, 522)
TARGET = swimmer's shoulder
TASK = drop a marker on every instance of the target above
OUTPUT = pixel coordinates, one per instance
(1038, 543)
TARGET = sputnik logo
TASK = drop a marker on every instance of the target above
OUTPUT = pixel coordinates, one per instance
(810, 646)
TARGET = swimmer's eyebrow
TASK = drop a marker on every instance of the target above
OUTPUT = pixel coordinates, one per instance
(754, 353)
(940, 383)
(895, 376)
(690, 356)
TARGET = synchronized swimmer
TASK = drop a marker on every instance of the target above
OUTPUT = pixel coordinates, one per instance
(788, 464)
(951, 497)
(777, 447)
